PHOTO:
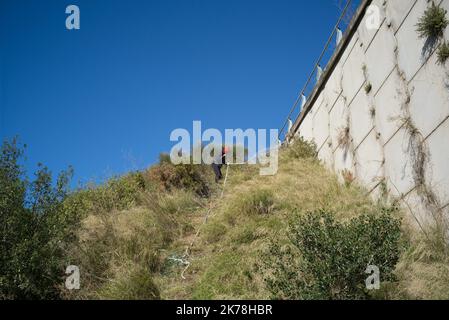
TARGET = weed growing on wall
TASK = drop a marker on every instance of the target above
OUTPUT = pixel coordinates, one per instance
(372, 112)
(368, 87)
(431, 26)
(443, 52)
(344, 137)
(433, 22)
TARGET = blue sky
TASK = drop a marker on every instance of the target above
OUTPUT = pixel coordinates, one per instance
(105, 98)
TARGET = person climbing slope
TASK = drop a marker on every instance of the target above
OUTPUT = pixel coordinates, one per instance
(219, 161)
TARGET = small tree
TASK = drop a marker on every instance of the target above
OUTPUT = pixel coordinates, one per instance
(34, 229)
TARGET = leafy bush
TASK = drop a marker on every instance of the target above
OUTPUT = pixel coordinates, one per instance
(125, 190)
(301, 149)
(36, 230)
(169, 177)
(433, 22)
(327, 259)
(118, 193)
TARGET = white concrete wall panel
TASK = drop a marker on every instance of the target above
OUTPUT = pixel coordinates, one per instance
(380, 57)
(366, 30)
(326, 155)
(348, 51)
(398, 166)
(321, 126)
(319, 102)
(388, 103)
(333, 89)
(338, 120)
(306, 129)
(353, 77)
(397, 10)
(369, 161)
(361, 120)
(429, 104)
(438, 175)
(411, 48)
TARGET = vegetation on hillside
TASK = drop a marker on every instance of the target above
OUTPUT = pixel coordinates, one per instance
(297, 235)
(34, 232)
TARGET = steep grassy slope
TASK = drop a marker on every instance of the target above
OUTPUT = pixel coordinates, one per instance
(137, 251)
(255, 210)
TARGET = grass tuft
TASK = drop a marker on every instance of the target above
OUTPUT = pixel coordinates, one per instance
(443, 52)
(433, 23)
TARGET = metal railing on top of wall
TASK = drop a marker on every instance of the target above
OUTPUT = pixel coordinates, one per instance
(317, 70)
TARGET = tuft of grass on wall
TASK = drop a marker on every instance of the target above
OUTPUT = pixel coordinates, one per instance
(443, 52)
(344, 137)
(368, 87)
(433, 23)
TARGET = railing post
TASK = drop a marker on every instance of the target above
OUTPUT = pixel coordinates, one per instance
(290, 125)
(319, 73)
(303, 102)
(339, 36)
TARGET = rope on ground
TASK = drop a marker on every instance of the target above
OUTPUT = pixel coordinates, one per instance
(184, 260)
(224, 183)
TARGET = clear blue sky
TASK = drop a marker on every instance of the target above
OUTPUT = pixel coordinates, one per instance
(105, 98)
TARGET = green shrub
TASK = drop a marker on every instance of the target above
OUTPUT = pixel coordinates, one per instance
(327, 259)
(433, 22)
(118, 193)
(124, 191)
(164, 158)
(443, 52)
(36, 230)
(301, 149)
(169, 177)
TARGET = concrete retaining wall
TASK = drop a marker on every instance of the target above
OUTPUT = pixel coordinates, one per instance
(383, 112)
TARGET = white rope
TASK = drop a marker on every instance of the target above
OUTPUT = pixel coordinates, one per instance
(224, 183)
(186, 255)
